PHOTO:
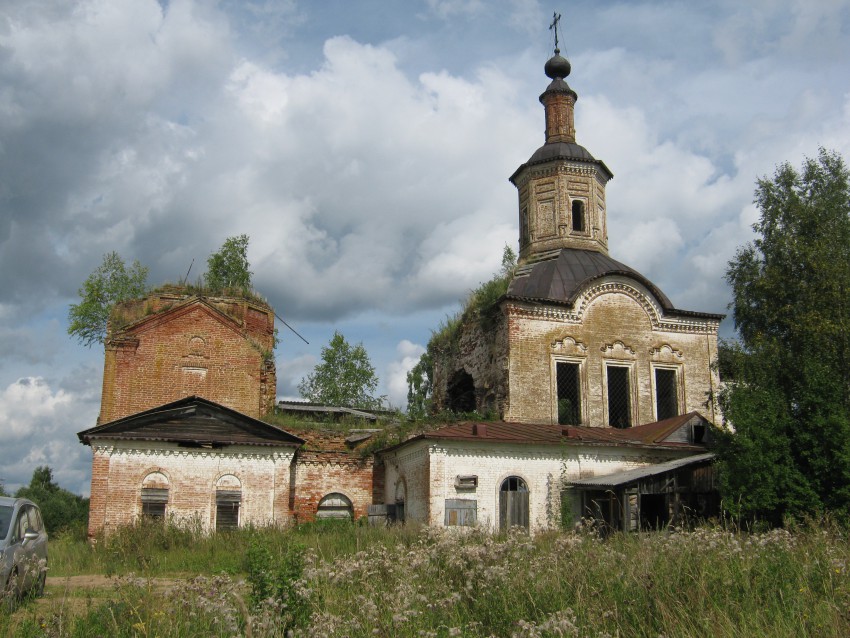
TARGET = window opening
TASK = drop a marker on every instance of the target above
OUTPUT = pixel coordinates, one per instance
(461, 512)
(578, 216)
(666, 394)
(335, 506)
(154, 501)
(619, 397)
(461, 392)
(569, 393)
(227, 504)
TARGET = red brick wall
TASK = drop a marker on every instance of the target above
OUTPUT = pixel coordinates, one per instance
(321, 473)
(191, 348)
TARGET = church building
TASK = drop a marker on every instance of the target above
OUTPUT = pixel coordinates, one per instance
(598, 379)
(581, 338)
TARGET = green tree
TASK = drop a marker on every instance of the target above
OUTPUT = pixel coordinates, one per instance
(345, 377)
(419, 386)
(229, 267)
(788, 399)
(60, 508)
(110, 283)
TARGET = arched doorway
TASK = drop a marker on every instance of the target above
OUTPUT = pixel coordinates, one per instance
(513, 503)
(335, 506)
(460, 393)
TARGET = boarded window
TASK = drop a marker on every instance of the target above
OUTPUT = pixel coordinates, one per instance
(513, 503)
(154, 501)
(227, 504)
(578, 216)
(666, 394)
(569, 393)
(461, 512)
(619, 397)
(335, 506)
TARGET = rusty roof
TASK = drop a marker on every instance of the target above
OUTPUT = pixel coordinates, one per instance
(648, 435)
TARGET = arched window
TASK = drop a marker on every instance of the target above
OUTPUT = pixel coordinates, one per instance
(335, 506)
(228, 499)
(154, 495)
(578, 216)
(513, 503)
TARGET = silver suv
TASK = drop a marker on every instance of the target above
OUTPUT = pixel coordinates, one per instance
(23, 550)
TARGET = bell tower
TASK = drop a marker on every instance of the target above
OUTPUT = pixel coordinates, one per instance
(562, 186)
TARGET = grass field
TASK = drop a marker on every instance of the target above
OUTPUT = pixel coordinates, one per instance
(352, 580)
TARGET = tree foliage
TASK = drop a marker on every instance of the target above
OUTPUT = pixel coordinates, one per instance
(345, 377)
(229, 267)
(110, 283)
(60, 508)
(419, 387)
(788, 399)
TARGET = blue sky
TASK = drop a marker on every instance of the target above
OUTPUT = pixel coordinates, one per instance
(365, 148)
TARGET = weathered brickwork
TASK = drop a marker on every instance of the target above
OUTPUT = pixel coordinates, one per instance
(216, 348)
(615, 323)
(119, 471)
(318, 474)
(430, 473)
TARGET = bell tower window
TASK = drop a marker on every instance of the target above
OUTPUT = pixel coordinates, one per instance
(578, 216)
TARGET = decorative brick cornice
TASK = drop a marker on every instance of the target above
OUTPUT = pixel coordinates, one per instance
(190, 453)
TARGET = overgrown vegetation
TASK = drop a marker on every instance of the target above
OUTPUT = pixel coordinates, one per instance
(481, 307)
(354, 580)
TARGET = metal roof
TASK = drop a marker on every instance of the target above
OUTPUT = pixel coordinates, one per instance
(192, 420)
(619, 479)
(316, 408)
(560, 151)
(563, 276)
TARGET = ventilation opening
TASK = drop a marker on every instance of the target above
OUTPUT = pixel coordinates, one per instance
(578, 216)
(460, 394)
(619, 397)
(335, 506)
(569, 393)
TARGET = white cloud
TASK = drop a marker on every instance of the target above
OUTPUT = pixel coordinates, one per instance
(407, 354)
(39, 425)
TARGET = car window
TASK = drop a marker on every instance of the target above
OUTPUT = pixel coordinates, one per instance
(5, 519)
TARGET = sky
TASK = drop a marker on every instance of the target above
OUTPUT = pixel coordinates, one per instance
(365, 147)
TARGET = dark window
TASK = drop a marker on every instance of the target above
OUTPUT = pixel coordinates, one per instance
(578, 216)
(154, 501)
(461, 392)
(569, 393)
(462, 512)
(666, 396)
(227, 509)
(619, 397)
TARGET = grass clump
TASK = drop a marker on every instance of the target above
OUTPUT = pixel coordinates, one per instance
(346, 579)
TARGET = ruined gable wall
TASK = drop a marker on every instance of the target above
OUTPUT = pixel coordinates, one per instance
(616, 322)
(119, 469)
(482, 355)
(191, 351)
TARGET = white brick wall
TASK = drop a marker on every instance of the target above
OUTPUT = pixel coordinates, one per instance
(543, 469)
